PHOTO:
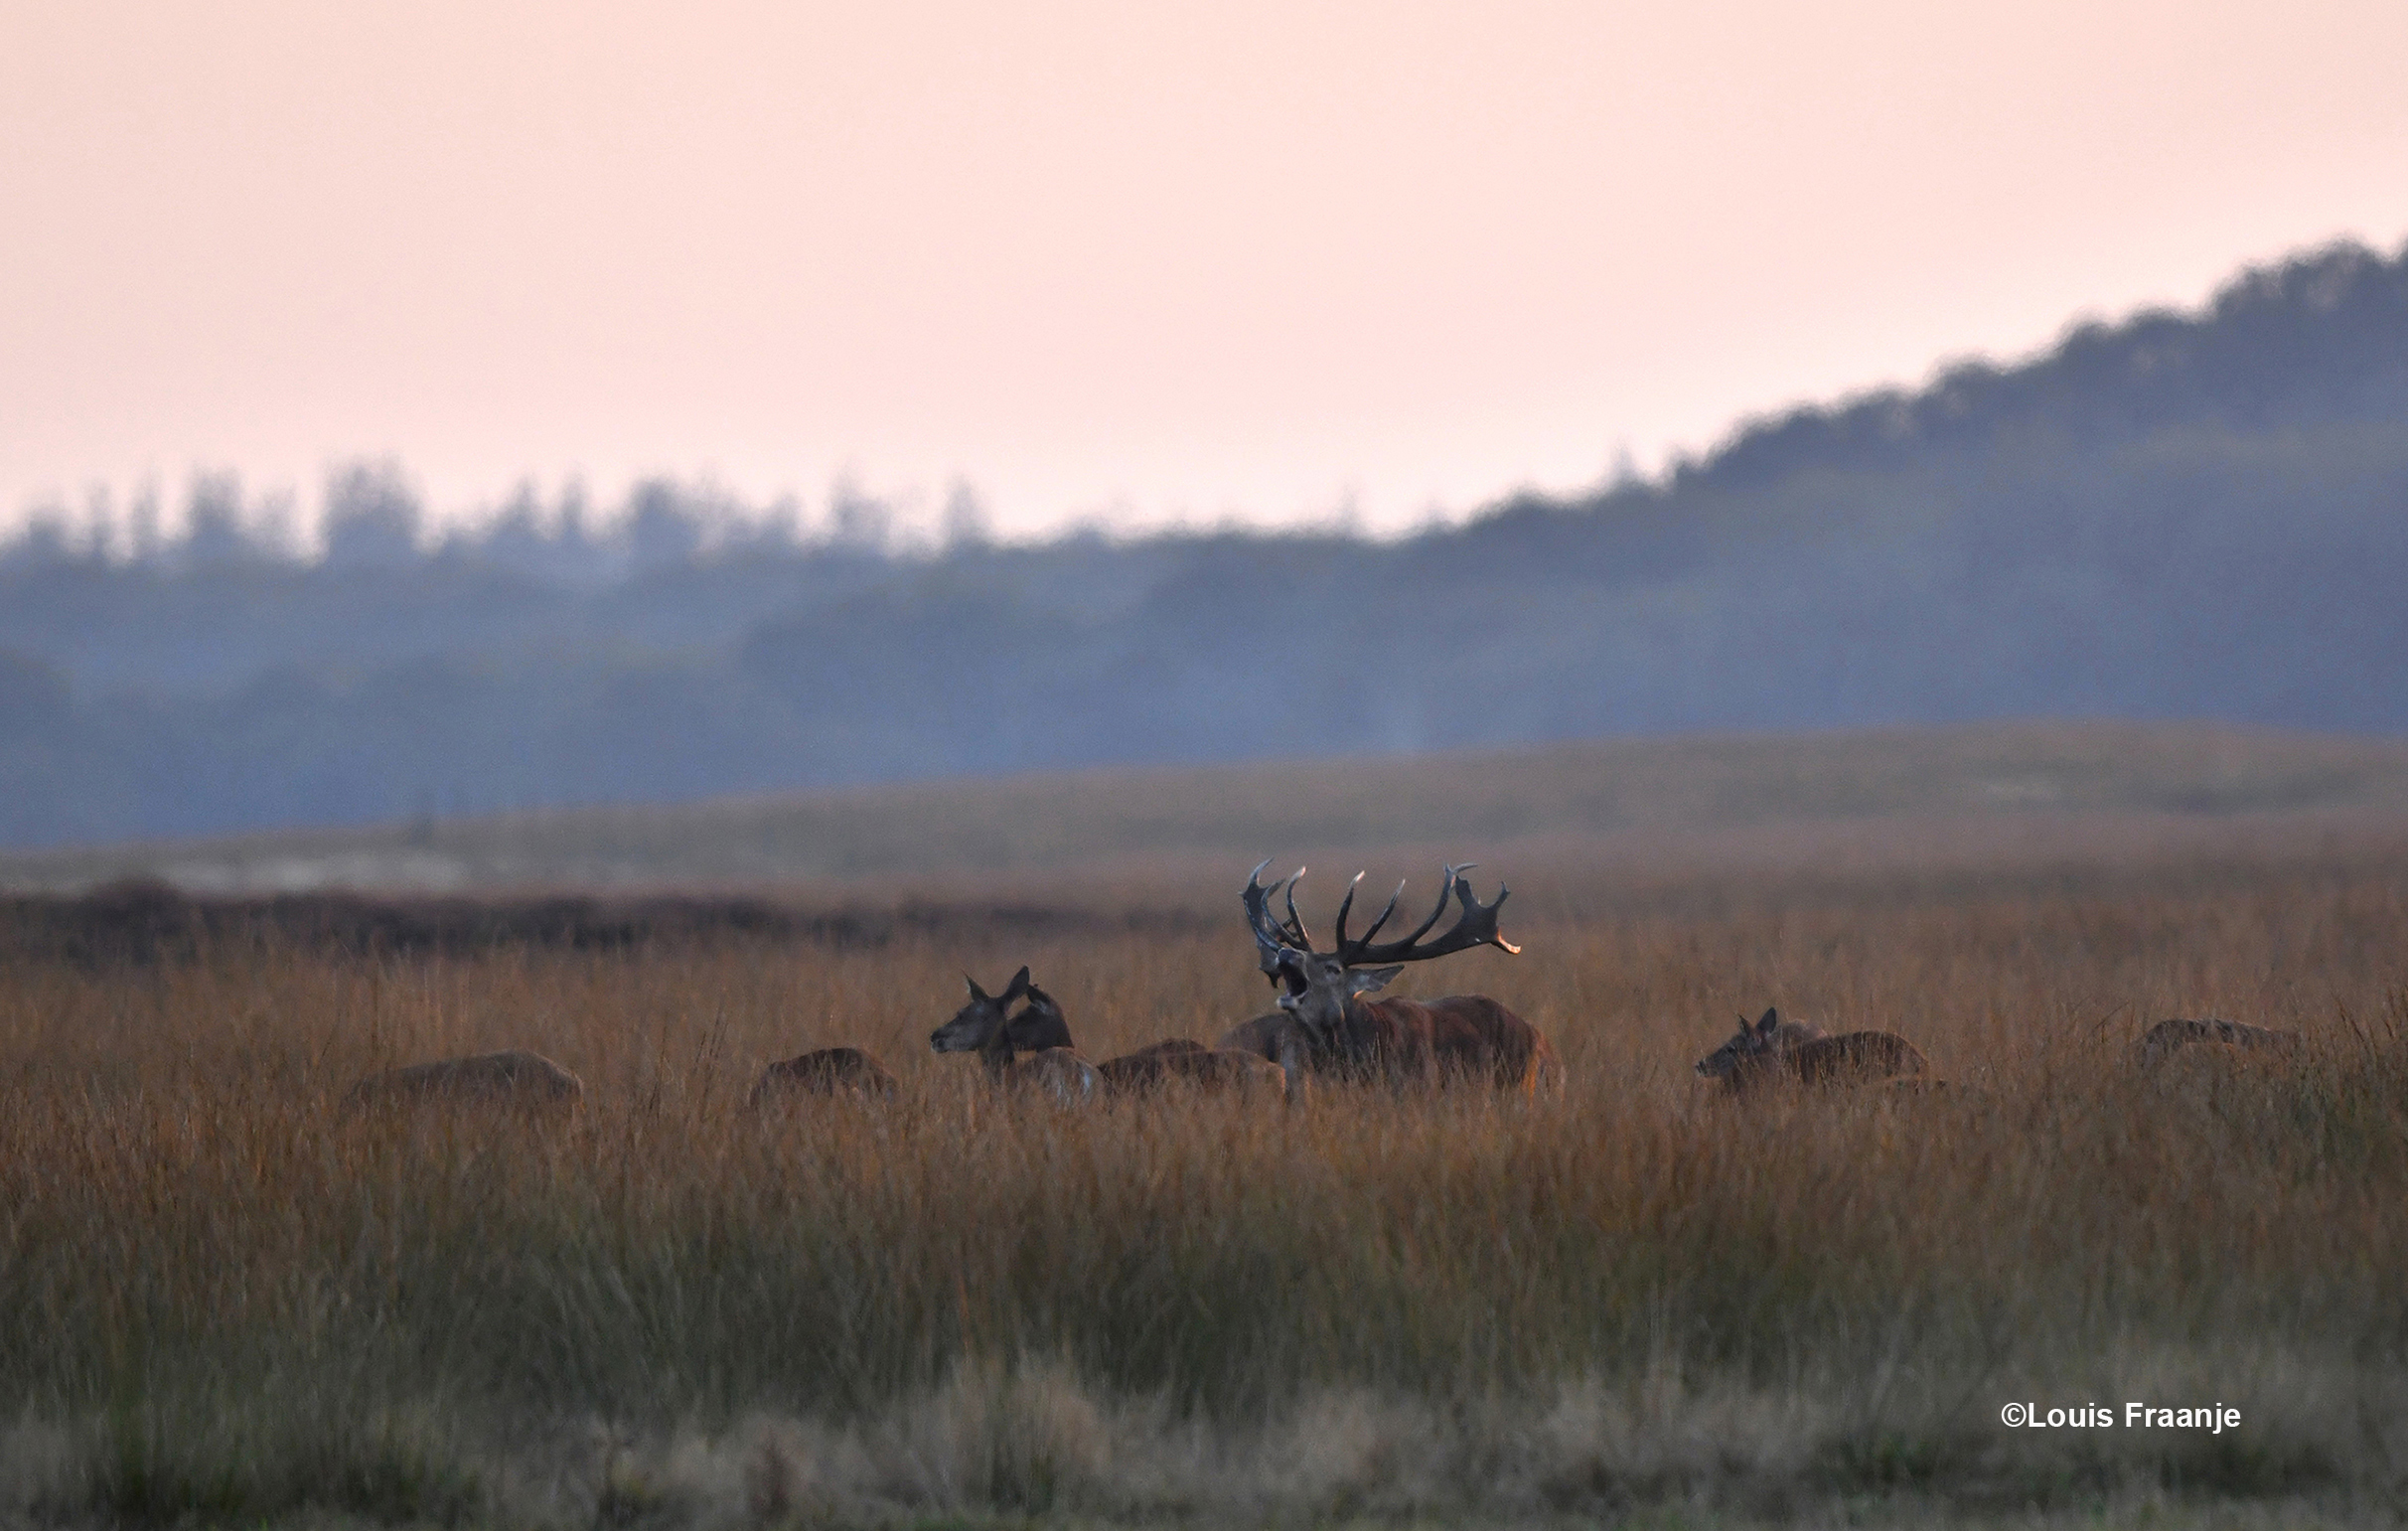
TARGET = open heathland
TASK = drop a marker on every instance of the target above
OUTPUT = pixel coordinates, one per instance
(1638, 803)
(224, 1297)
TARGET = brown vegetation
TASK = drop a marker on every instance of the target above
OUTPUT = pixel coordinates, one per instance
(222, 1300)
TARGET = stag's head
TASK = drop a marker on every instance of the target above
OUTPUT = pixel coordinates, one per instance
(1315, 987)
(980, 1020)
(1751, 1042)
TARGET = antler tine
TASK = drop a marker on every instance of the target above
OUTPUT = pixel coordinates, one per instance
(1295, 921)
(1269, 938)
(1488, 911)
(1272, 939)
(1345, 904)
(1386, 911)
(1451, 879)
(1475, 925)
(1446, 883)
(1360, 950)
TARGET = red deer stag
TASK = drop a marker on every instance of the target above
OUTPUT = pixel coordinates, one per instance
(521, 1079)
(1180, 1059)
(1330, 1027)
(831, 1071)
(983, 1026)
(1775, 1051)
(2223, 1039)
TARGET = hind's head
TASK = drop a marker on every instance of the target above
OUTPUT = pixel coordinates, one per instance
(1759, 1040)
(1040, 1023)
(979, 1021)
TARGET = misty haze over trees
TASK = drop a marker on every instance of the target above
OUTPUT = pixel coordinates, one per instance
(2198, 515)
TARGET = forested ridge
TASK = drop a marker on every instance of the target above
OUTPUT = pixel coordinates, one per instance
(2177, 515)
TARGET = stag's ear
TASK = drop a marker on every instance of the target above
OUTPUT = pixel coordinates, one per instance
(1771, 1022)
(1363, 981)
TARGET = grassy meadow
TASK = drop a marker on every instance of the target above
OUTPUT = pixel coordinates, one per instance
(223, 1299)
(1734, 798)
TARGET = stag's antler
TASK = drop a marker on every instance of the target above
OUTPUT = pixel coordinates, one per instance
(1476, 926)
(1273, 935)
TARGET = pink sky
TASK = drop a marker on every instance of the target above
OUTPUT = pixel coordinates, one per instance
(1130, 260)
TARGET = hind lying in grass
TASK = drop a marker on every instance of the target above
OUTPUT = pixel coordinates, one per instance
(1775, 1052)
(2170, 1038)
(823, 1072)
(513, 1078)
(1034, 1047)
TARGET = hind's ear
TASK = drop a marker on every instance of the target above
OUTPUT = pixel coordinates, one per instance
(1019, 983)
(976, 993)
(1772, 1019)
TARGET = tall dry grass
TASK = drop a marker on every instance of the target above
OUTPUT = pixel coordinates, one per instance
(220, 1297)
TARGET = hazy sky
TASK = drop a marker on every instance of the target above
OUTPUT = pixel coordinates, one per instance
(1131, 259)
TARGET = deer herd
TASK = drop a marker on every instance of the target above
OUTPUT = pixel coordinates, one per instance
(1325, 1026)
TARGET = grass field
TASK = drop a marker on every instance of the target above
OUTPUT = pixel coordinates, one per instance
(223, 1300)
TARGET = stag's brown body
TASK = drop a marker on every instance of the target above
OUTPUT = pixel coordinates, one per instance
(1462, 1037)
(1470, 1036)
(830, 1071)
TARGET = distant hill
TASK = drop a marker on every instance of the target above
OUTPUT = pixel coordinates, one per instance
(2179, 515)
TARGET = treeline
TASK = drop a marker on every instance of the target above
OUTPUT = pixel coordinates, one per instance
(371, 517)
(2181, 515)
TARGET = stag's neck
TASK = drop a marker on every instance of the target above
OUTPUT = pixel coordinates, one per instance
(1362, 1027)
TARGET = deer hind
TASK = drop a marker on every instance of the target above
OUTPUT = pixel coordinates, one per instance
(2223, 1037)
(831, 1071)
(985, 1027)
(1778, 1052)
(510, 1079)
(1179, 1060)
(1328, 1025)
